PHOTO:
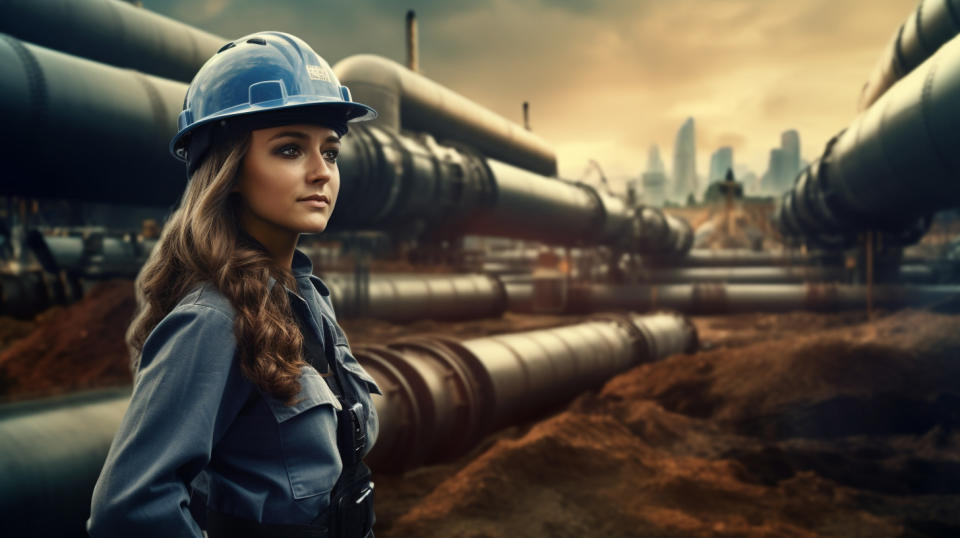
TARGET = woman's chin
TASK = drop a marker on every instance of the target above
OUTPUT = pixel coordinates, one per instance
(314, 227)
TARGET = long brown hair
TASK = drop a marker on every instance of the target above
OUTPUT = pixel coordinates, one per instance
(203, 242)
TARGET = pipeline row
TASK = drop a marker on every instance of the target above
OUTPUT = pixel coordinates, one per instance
(440, 398)
(403, 182)
(517, 261)
(71, 264)
(897, 163)
(719, 298)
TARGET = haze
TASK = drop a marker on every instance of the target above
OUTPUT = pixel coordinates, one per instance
(606, 79)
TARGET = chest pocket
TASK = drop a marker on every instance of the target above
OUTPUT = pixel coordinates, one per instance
(308, 437)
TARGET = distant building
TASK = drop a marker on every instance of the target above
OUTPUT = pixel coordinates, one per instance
(717, 190)
(790, 144)
(685, 162)
(654, 180)
(784, 165)
(720, 162)
(654, 188)
(654, 162)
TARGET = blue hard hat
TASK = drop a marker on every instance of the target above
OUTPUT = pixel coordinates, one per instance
(262, 80)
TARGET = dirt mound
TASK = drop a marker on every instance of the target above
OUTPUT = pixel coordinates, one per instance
(881, 368)
(588, 475)
(72, 348)
(831, 426)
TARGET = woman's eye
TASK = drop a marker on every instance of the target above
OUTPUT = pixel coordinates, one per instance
(331, 155)
(290, 151)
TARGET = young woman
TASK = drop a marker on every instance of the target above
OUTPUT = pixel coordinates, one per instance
(249, 414)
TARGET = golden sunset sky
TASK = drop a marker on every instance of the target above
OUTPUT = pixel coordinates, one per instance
(606, 79)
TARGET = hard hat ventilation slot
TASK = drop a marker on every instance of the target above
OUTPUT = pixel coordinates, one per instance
(227, 46)
(257, 41)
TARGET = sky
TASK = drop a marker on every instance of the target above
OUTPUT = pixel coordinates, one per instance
(606, 79)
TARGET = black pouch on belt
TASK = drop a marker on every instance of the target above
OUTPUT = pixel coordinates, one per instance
(351, 504)
(351, 501)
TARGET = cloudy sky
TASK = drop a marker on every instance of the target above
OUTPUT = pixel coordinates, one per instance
(606, 79)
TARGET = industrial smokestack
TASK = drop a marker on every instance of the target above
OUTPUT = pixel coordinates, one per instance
(526, 115)
(413, 53)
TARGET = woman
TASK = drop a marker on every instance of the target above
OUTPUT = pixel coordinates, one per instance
(246, 397)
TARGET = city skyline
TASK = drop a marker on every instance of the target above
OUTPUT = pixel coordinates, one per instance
(785, 163)
(605, 80)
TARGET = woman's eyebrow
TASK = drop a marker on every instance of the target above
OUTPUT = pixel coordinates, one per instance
(303, 136)
(293, 134)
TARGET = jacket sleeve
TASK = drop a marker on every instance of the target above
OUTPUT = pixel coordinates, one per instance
(186, 393)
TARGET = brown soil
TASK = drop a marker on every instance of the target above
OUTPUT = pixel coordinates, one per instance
(70, 348)
(795, 424)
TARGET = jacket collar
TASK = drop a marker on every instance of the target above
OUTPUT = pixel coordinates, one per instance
(302, 268)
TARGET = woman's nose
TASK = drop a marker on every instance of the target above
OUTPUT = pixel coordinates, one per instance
(319, 168)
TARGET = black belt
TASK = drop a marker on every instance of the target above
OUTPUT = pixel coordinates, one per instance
(220, 525)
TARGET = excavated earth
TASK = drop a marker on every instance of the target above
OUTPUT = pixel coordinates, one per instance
(795, 424)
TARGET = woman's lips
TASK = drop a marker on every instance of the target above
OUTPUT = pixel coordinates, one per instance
(316, 200)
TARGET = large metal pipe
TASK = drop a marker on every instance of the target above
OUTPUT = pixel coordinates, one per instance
(440, 398)
(411, 297)
(447, 395)
(784, 258)
(408, 100)
(891, 169)
(51, 452)
(92, 255)
(89, 130)
(112, 32)
(399, 181)
(526, 258)
(929, 26)
(745, 258)
(715, 298)
(777, 275)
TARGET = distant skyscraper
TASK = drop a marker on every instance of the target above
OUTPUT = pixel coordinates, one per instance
(720, 162)
(776, 171)
(784, 164)
(654, 162)
(654, 188)
(654, 179)
(685, 162)
(790, 144)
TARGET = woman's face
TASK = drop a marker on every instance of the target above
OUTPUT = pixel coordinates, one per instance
(288, 181)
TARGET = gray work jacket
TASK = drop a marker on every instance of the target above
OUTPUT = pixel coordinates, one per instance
(195, 420)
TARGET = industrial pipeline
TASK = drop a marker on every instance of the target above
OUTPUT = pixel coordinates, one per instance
(403, 182)
(71, 264)
(440, 397)
(890, 170)
(719, 298)
(929, 26)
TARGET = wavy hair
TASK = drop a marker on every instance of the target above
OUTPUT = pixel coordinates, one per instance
(202, 241)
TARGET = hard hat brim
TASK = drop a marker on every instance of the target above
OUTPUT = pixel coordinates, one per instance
(286, 112)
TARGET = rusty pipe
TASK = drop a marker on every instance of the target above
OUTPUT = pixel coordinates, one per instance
(449, 394)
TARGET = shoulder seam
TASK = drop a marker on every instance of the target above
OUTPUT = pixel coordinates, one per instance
(206, 306)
